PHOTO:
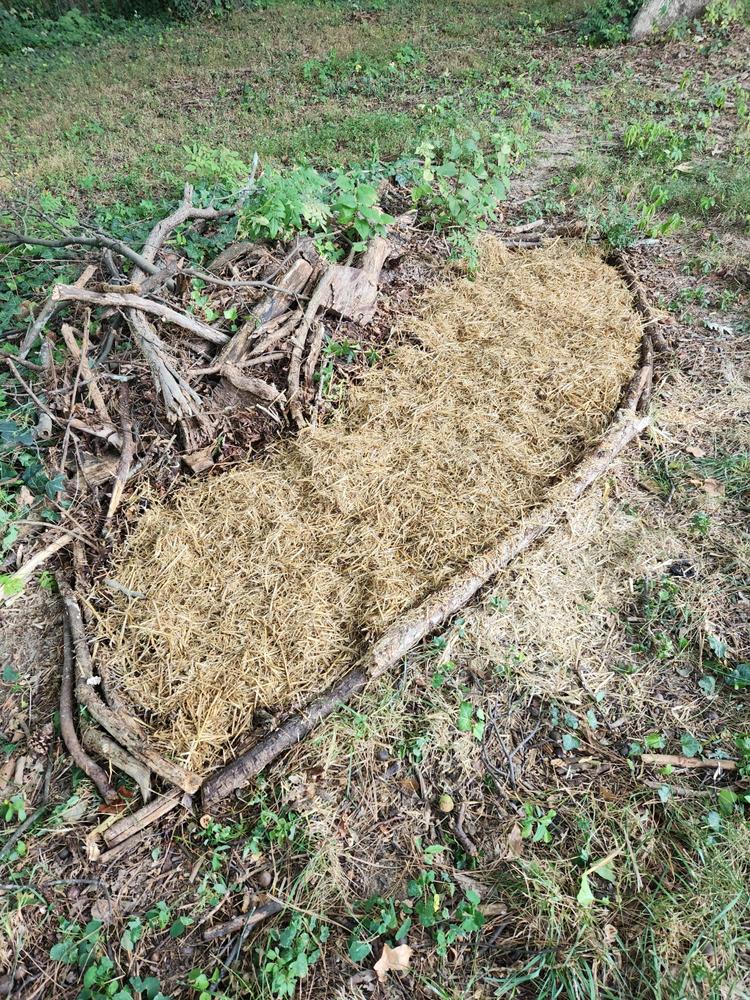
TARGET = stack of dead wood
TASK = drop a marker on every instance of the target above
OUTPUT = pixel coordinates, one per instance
(147, 377)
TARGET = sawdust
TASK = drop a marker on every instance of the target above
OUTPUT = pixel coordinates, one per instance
(262, 584)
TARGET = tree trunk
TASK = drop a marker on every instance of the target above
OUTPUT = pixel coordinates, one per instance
(658, 15)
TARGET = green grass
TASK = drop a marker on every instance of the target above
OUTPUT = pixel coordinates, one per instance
(119, 121)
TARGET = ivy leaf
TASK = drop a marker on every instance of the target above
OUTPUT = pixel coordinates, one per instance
(464, 717)
(359, 950)
(585, 896)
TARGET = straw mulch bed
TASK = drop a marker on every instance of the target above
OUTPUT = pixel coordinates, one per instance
(264, 583)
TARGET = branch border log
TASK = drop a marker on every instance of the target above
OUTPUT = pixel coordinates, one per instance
(629, 421)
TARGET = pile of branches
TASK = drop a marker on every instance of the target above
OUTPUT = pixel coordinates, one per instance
(148, 381)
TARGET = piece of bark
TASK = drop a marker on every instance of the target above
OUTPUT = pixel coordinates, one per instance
(419, 622)
(104, 746)
(235, 252)
(354, 290)
(132, 824)
(656, 16)
(69, 293)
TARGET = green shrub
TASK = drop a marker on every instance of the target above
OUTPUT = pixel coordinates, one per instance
(607, 22)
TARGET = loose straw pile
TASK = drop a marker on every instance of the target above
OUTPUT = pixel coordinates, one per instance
(263, 584)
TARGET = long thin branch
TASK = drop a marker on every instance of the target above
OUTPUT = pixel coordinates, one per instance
(122, 727)
(69, 293)
(419, 622)
(68, 729)
(98, 241)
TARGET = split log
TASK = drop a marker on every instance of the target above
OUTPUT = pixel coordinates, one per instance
(129, 826)
(418, 623)
(99, 743)
(354, 290)
(126, 300)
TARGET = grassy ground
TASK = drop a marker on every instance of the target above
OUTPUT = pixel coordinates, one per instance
(594, 875)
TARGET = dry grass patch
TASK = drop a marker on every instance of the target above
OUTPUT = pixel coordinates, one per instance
(262, 584)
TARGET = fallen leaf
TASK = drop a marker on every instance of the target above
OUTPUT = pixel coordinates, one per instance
(104, 910)
(713, 488)
(695, 451)
(515, 842)
(393, 960)
(610, 933)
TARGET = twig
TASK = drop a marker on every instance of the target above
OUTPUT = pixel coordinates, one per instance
(666, 759)
(460, 834)
(244, 921)
(74, 390)
(30, 820)
(67, 726)
(69, 293)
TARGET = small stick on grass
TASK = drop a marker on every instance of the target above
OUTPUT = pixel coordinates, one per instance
(244, 921)
(670, 760)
